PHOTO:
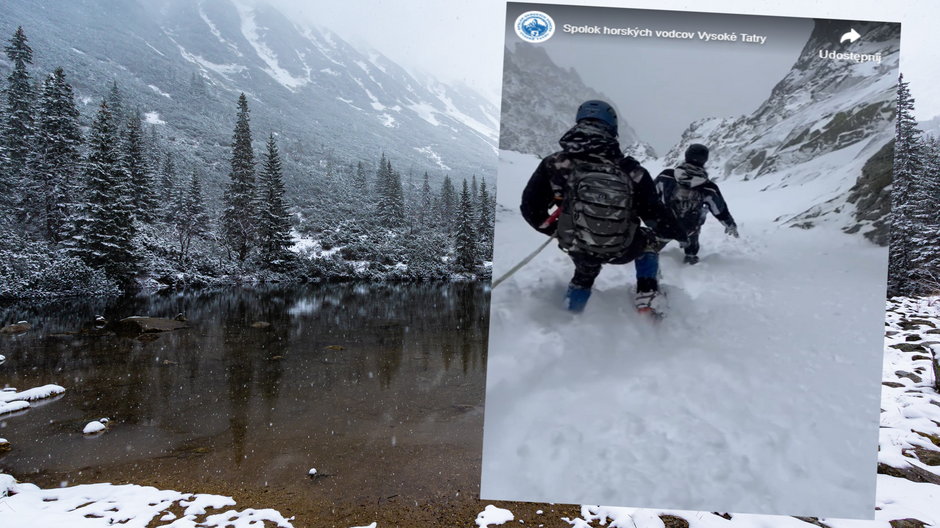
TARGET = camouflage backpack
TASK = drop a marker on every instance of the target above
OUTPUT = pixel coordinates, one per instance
(598, 216)
(687, 200)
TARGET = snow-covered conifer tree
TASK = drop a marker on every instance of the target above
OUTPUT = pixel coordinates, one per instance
(56, 159)
(274, 227)
(485, 221)
(238, 216)
(190, 220)
(17, 130)
(905, 194)
(447, 205)
(135, 161)
(108, 233)
(465, 244)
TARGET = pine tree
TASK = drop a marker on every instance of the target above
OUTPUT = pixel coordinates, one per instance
(465, 243)
(361, 180)
(485, 221)
(447, 205)
(237, 218)
(169, 184)
(135, 161)
(18, 127)
(115, 100)
(274, 227)
(474, 193)
(905, 195)
(425, 204)
(108, 235)
(190, 220)
(925, 241)
(395, 201)
(389, 209)
(380, 188)
(56, 161)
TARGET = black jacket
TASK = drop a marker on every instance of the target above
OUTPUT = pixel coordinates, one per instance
(712, 201)
(548, 184)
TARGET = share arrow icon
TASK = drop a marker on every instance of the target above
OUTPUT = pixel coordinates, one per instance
(851, 36)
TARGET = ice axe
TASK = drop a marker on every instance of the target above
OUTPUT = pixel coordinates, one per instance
(548, 221)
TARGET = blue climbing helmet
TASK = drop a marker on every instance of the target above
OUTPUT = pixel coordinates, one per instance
(600, 111)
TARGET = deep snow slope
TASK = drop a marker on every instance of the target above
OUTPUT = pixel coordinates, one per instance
(759, 392)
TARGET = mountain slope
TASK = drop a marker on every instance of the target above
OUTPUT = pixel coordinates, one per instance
(185, 63)
(540, 100)
(836, 110)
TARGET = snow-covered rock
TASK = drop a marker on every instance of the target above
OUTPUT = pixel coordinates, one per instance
(94, 427)
(493, 516)
(12, 401)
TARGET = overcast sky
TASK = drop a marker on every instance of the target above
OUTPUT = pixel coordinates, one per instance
(462, 40)
(659, 86)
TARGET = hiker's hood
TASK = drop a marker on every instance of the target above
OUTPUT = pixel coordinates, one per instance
(589, 138)
(690, 175)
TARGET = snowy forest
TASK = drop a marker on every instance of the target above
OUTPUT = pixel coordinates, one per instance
(914, 265)
(99, 204)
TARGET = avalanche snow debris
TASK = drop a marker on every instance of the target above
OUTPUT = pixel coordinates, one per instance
(250, 31)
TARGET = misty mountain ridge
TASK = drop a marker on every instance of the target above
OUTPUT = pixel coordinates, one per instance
(824, 127)
(819, 127)
(534, 116)
(184, 63)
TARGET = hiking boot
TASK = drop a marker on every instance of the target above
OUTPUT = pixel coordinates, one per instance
(651, 302)
(691, 259)
(576, 298)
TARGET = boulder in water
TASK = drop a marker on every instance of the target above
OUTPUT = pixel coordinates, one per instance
(142, 325)
(15, 328)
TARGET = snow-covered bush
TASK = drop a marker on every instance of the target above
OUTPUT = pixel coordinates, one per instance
(34, 269)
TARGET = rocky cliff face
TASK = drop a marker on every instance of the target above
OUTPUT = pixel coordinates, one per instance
(540, 100)
(821, 123)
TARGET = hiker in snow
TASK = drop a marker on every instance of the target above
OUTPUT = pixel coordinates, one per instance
(688, 192)
(602, 197)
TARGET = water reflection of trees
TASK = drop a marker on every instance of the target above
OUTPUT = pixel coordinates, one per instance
(320, 336)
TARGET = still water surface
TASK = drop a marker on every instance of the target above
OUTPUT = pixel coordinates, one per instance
(380, 388)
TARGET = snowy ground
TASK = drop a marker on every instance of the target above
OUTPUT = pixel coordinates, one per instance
(759, 393)
(909, 444)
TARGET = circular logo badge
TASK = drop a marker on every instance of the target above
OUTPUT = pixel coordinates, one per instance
(535, 26)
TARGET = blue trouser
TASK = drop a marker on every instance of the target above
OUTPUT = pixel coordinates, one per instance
(645, 257)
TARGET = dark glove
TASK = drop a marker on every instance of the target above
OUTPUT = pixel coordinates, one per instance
(628, 164)
(732, 230)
